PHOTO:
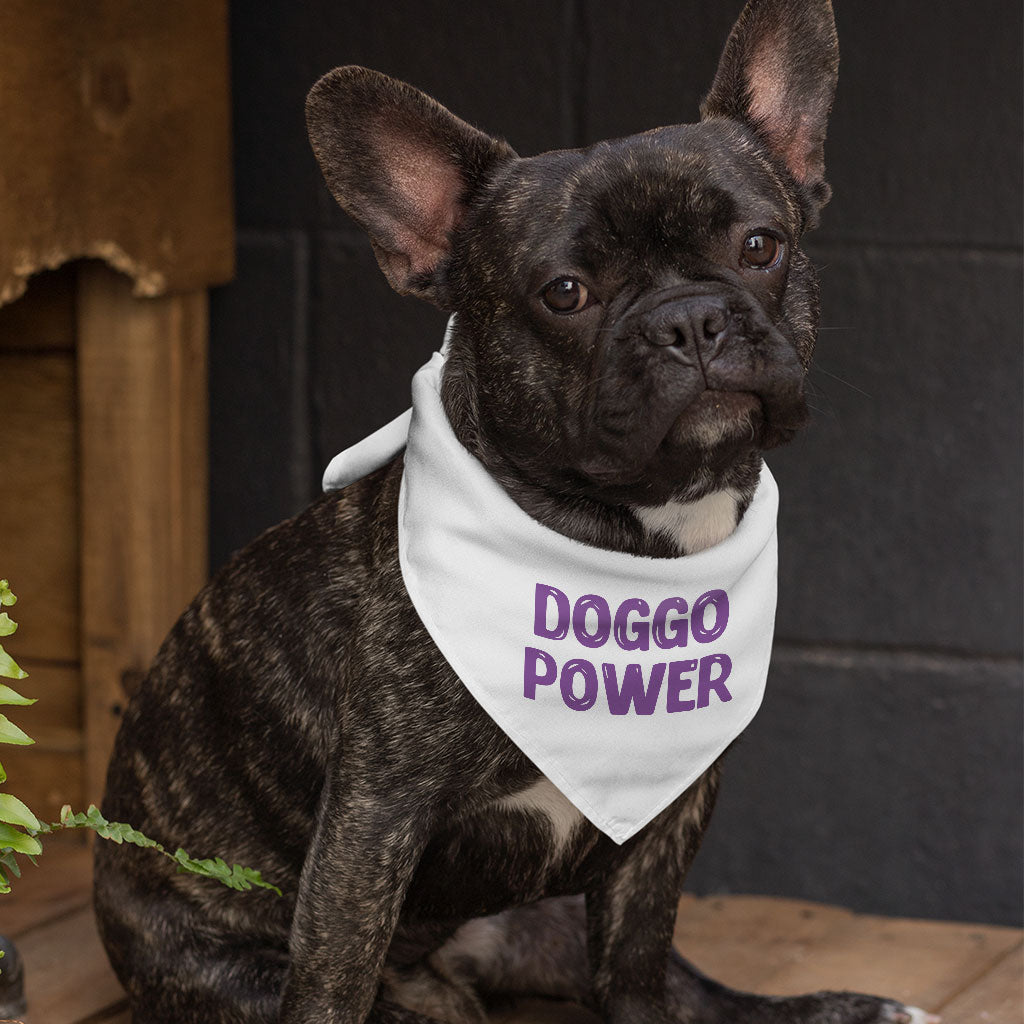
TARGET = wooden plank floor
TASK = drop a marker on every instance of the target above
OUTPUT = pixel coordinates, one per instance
(970, 974)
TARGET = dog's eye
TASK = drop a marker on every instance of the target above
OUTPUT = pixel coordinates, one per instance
(566, 295)
(761, 250)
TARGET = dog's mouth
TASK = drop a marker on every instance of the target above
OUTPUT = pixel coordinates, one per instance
(698, 380)
(715, 416)
(719, 417)
(715, 426)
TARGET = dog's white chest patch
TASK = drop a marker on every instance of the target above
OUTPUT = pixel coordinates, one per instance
(693, 525)
(544, 798)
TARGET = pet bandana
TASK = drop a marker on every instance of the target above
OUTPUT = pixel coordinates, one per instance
(622, 678)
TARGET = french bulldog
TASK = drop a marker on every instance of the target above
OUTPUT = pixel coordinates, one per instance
(634, 324)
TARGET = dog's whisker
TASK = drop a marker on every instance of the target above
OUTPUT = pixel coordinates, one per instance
(842, 380)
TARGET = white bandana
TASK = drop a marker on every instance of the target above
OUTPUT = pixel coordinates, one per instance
(621, 677)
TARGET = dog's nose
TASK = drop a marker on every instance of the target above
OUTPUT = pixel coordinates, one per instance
(695, 326)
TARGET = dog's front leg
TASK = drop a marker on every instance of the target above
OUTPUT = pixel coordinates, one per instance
(368, 840)
(631, 912)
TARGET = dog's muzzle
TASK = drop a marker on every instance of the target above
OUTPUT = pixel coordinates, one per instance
(696, 364)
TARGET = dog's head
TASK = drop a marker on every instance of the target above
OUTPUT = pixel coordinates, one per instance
(634, 319)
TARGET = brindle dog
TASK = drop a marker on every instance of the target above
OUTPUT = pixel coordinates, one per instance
(635, 322)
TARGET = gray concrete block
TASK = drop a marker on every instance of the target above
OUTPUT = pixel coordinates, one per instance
(259, 433)
(649, 64)
(888, 784)
(925, 138)
(367, 344)
(277, 181)
(924, 141)
(901, 503)
(502, 67)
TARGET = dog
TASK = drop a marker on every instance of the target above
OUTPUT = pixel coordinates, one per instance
(634, 322)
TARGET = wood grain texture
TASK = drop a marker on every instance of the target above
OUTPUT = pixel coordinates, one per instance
(45, 779)
(115, 141)
(58, 690)
(44, 317)
(996, 997)
(784, 947)
(752, 937)
(67, 977)
(921, 963)
(49, 773)
(39, 541)
(54, 927)
(57, 886)
(142, 395)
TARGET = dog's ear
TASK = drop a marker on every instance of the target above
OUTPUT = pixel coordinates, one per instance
(778, 74)
(402, 166)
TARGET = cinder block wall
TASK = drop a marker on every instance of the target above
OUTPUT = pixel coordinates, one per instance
(884, 771)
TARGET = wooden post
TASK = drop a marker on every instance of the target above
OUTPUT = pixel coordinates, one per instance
(115, 143)
(142, 392)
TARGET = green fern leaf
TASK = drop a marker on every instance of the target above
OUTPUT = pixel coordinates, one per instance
(15, 839)
(9, 862)
(234, 876)
(9, 667)
(10, 733)
(14, 811)
(9, 696)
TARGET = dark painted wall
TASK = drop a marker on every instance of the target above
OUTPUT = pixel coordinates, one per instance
(884, 771)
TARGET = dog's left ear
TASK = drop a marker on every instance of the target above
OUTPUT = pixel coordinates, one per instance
(778, 75)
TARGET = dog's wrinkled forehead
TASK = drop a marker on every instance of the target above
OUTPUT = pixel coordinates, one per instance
(652, 197)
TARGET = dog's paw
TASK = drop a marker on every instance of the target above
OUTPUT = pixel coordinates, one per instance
(840, 1008)
(911, 1015)
(847, 1008)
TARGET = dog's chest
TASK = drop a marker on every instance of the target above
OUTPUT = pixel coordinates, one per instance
(546, 804)
(515, 849)
(693, 526)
